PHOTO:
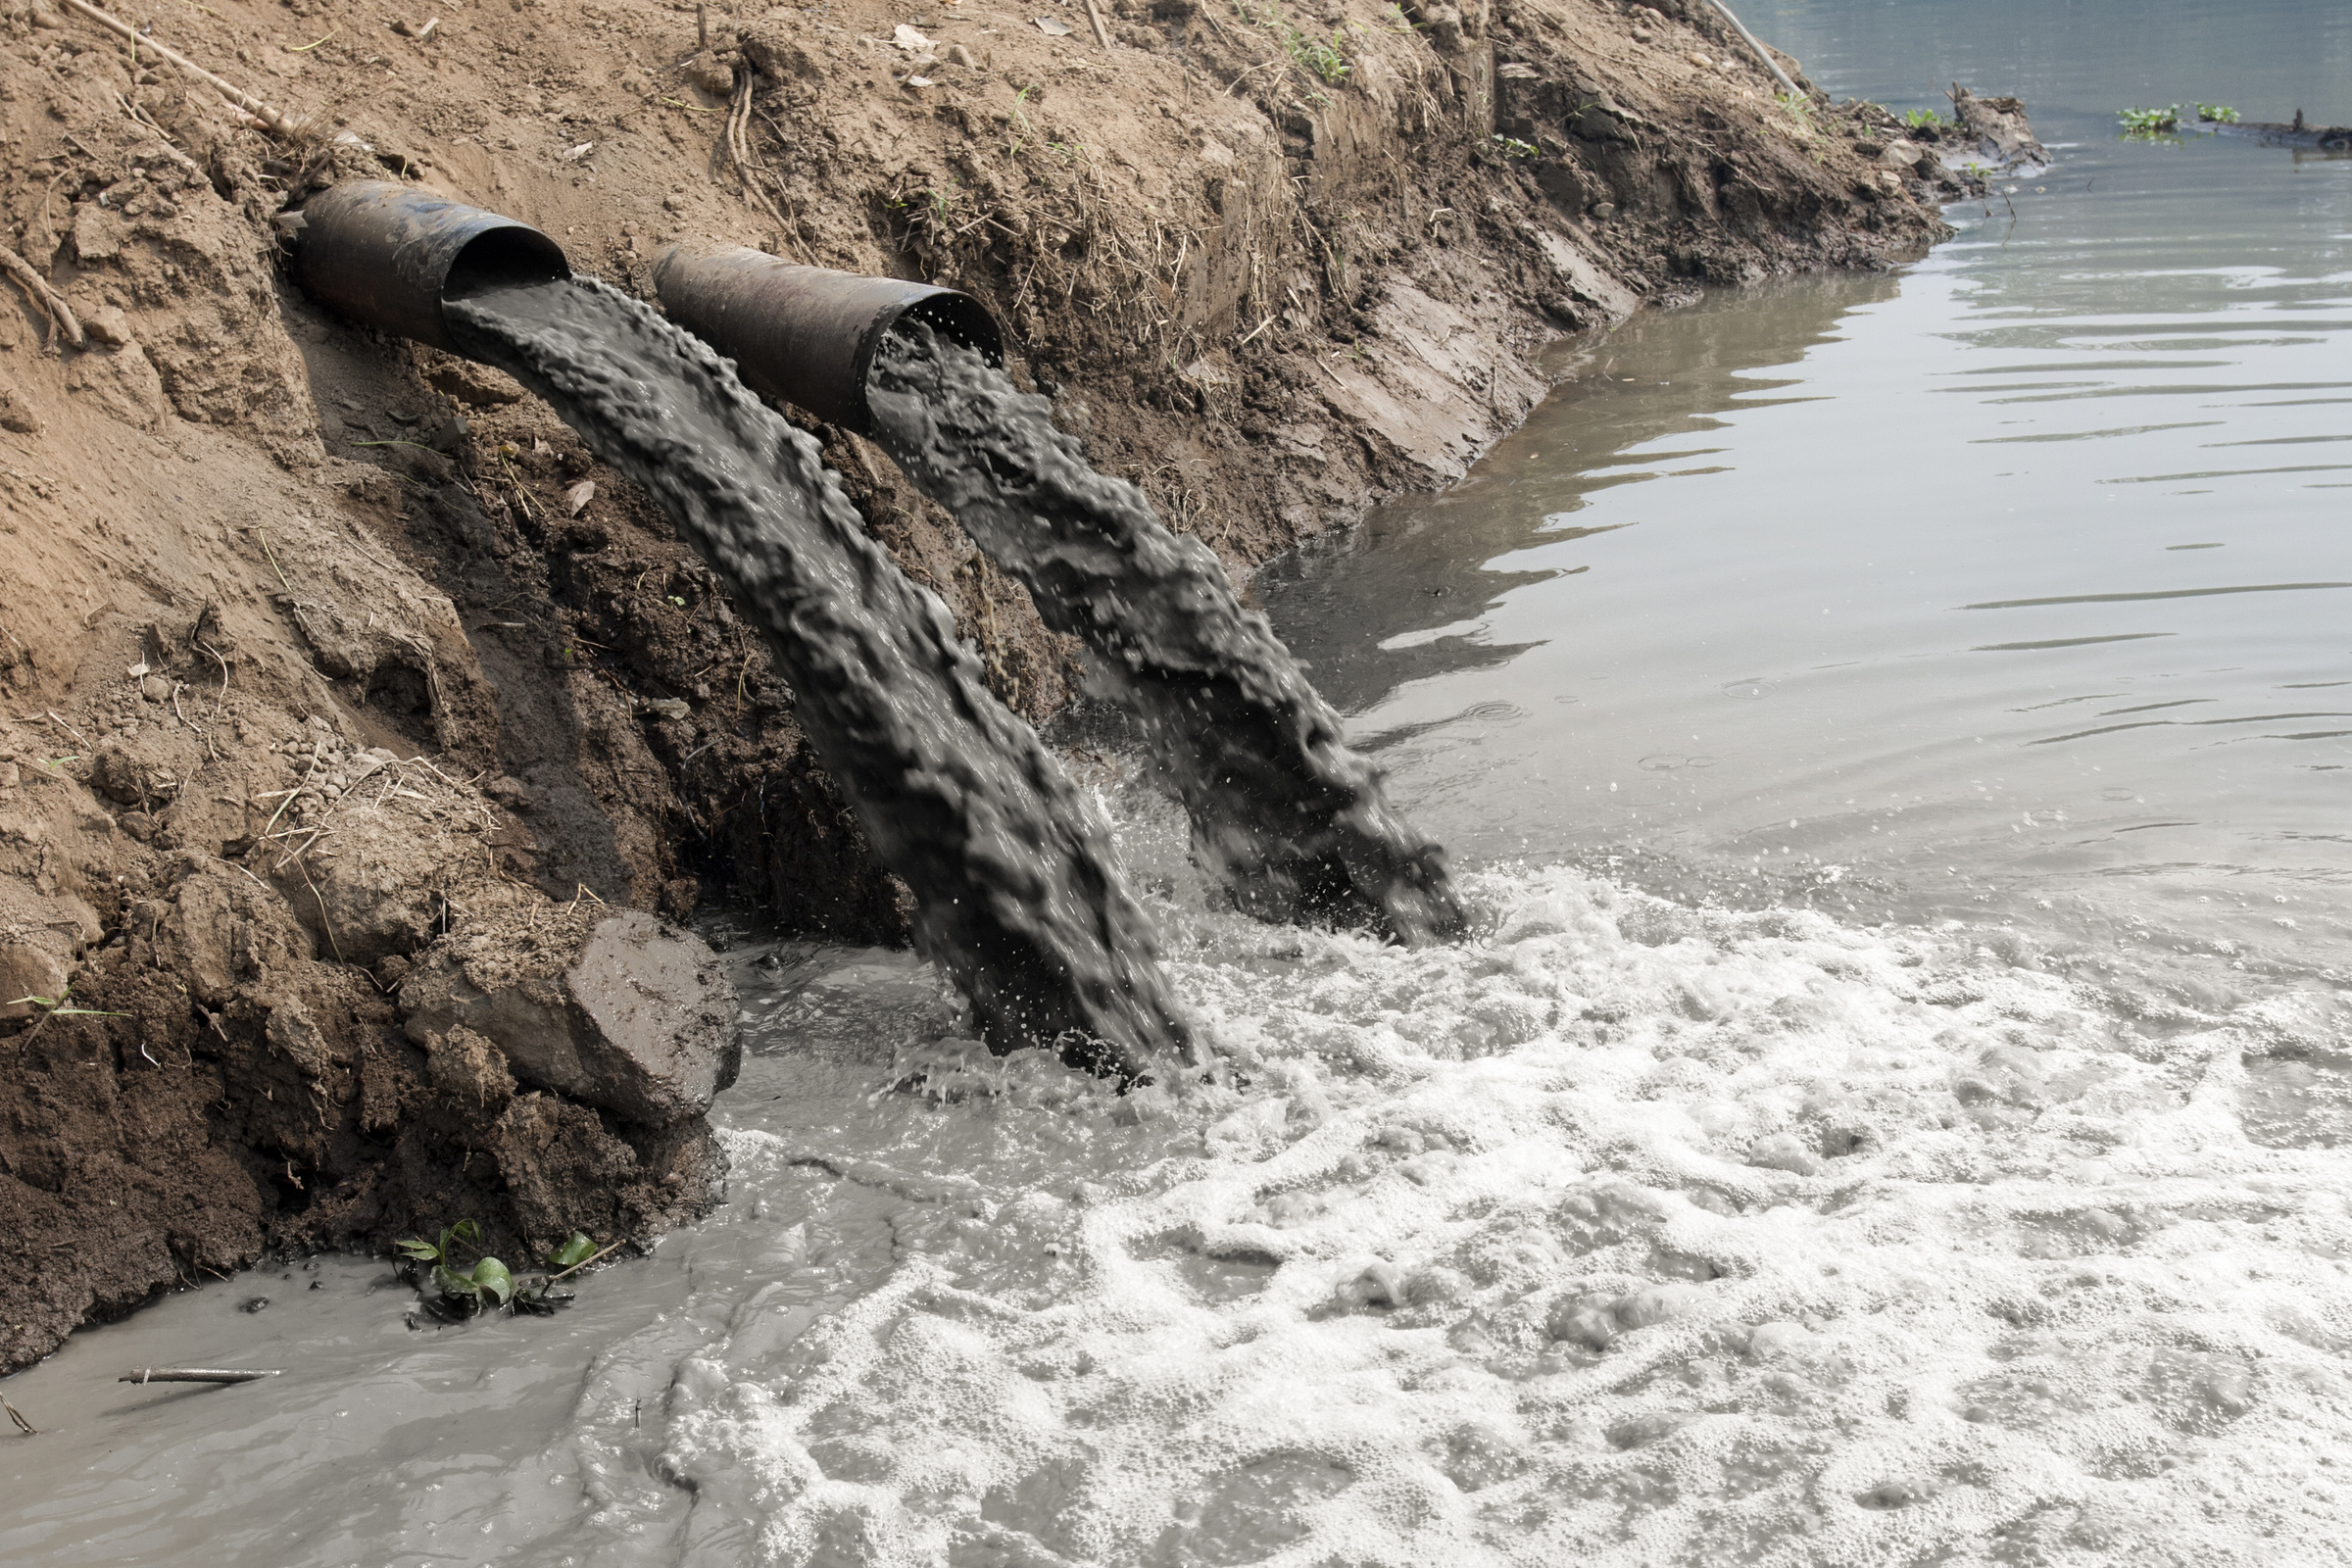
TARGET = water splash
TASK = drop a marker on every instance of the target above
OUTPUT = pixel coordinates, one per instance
(1638, 1234)
(1295, 823)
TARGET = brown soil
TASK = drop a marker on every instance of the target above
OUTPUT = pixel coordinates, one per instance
(252, 550)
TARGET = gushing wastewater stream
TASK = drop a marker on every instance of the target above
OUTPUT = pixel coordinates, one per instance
(1295, 823)
(1016, 897)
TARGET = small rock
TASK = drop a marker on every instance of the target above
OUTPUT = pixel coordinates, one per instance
(98, 234)
(711, 74)
(667, 707)
(639, 1020)
(258, 1304)
(1902, 154)
(16, 414)
(958, 55)
(1604, 210)
(28, 970)
(1051, 29)
(106, 325)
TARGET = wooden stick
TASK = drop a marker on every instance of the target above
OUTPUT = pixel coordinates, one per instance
(194, 1374)
(1102, 33)
(276, 122)
(23, 1425)
(38, 287)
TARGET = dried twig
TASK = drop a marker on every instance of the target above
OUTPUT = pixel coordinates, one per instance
(278, 123)
(195, 1374)
(1102, 33)
(42, 294)
(224, 663)
(23, 1425)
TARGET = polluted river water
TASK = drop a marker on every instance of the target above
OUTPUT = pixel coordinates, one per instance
(1954, 1166)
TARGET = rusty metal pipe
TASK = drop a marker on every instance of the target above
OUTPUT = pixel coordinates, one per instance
(388, 254)
(807, 334)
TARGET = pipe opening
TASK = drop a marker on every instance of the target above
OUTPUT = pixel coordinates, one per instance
(500, 257)
(962, 321)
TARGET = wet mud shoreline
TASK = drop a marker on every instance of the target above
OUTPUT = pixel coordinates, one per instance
(349, 699)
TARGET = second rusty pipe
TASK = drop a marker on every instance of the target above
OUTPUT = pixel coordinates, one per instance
(807, 334)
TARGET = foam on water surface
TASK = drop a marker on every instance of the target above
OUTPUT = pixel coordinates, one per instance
(1627, 1233)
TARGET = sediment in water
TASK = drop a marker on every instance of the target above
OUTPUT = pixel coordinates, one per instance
(1294, 821)
(1017, 895)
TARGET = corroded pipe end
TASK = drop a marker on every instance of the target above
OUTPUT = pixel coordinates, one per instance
(388, 254)
(809, 334)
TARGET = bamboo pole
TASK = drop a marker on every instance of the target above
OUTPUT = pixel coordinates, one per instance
(274, 119)
(1762, 53)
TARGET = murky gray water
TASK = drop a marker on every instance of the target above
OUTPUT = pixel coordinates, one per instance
(1631, 1231)
(1990, 583)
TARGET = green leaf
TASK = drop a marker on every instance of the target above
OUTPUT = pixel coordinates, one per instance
(491, 1276)
(449, 1281)
(423, 1252)
(573, 1252)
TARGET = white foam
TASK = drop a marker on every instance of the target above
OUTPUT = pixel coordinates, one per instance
(1628, 1233)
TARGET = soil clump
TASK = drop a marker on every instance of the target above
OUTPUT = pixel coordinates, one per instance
(329, 661)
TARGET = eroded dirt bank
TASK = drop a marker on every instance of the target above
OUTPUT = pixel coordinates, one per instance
(344, 698)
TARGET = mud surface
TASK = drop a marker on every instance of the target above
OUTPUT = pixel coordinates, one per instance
(1291, 820)
(324, 654)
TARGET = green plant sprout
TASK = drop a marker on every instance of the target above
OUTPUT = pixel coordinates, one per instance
(2148, 124)
(1924, 119)
(1327, 60)
(462, 1288)
(62, 1006)
(1513, 147)
(1020, 118)
(487, 1283)
(2217, 114)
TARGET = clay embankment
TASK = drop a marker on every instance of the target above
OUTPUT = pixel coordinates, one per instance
(344, 699)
